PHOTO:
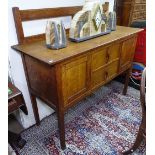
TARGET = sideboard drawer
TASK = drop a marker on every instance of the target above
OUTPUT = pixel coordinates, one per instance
(111, 70)
(97, 77)
(99, 58)
(102, 75)
(103, 56)
(113, 52)
(15, 103)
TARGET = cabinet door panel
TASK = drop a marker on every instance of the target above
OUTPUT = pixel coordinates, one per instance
(127, 53)
(74, 79)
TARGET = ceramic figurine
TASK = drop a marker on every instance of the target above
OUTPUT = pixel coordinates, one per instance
(90, 20)
(55, 35)
(112, 18)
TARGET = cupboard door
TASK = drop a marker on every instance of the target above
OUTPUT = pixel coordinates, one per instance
(127, 53)
(74, 79)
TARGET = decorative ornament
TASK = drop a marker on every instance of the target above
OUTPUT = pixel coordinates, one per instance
(97, 18)
(55, 35)
(90, 22)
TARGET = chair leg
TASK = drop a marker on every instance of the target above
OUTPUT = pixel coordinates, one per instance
(137, 143)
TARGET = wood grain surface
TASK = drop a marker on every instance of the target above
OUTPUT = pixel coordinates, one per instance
(39, 51)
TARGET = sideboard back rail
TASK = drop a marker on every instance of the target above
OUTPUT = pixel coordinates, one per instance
(37, 14)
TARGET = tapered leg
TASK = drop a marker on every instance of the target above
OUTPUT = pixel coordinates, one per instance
(126, 81)
(61, 126)
(35, 109)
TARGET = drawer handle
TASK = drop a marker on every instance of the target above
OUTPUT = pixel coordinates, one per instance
(106, 75)
(12, 102)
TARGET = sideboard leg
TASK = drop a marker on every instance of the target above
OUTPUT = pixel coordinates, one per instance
(128, 72)
(61, 126)
(35, 109)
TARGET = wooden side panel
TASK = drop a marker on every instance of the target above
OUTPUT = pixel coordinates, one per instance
(42, 79)
(74, 78)
(127, 53)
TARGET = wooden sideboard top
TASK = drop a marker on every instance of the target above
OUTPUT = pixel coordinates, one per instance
(39, 50)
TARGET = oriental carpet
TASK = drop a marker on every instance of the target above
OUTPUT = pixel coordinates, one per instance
(105, 123)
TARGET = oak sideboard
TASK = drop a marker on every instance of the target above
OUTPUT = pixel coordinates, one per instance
(63, 77)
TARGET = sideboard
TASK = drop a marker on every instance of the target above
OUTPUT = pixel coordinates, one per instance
(63, 77)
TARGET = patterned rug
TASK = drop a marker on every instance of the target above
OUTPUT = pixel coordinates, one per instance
(105, 123)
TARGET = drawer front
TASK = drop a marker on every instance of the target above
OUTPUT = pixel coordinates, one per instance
(97, 77)
(74, 79)
(99, 58)
(111, 70)
(105, 55)
(113, 53)
(102, 75)
(15, 103)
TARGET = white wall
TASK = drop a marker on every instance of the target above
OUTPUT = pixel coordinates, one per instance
(30, 28)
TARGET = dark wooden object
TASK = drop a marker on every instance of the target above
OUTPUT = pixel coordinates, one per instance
(119, 7)
(63, 77)
(142, 129)
(15, 102)
(129, 11)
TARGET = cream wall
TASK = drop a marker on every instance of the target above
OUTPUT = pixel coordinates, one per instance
(35, 27)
